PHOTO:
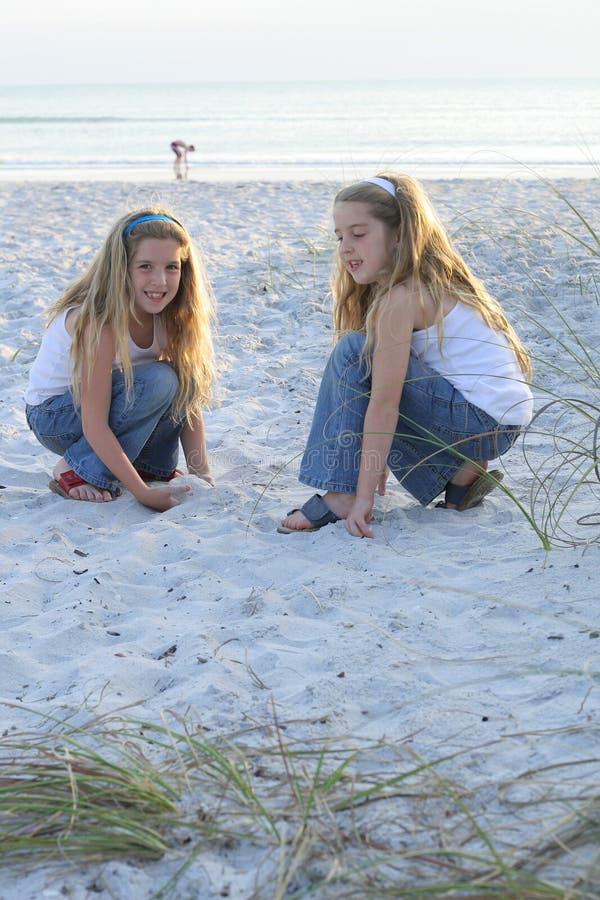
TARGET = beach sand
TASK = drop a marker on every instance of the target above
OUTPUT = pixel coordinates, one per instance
(447, 633)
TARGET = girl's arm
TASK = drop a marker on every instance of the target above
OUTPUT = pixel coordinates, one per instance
(393, 330)
(193, 441)
(96, 392)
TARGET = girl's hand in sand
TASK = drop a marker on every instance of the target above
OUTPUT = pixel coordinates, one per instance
(163, 498)
(357, 520)
(205, 475)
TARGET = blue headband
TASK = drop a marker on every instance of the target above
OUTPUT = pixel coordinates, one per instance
(147, 219)
(383, 183)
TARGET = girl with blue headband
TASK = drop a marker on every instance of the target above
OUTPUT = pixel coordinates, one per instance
(126, 366)
(427, 379)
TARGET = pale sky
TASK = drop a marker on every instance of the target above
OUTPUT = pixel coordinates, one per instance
(108, 41)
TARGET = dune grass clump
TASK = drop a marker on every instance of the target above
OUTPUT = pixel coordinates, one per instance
(565, 478)
(85, 793)
(347, 818)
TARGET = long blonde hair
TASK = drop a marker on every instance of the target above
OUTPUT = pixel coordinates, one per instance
(104, 296)
(423, 251)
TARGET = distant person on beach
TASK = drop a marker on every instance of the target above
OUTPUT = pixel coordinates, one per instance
(181, 166)
(427, 379)
(125, 367)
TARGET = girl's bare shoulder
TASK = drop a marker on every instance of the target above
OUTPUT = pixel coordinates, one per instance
(416, 299)
(404, 299)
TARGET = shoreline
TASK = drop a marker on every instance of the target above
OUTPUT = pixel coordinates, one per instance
(227, 174)
(449, 633)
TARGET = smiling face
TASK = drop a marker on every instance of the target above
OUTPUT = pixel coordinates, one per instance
(366, 244)
(155, 273)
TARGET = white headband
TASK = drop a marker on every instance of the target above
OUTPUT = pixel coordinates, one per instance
(383, 183)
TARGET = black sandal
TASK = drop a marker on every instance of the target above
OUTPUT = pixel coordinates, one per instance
(466, 496)
(316, 511)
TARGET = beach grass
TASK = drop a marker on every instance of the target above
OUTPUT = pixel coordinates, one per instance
(564, 495)
(345, 818)
(561, 446)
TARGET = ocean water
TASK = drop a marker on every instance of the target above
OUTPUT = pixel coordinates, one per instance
(308, 131)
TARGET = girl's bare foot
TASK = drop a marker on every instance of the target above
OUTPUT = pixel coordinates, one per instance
(83, 491)
(340, 504)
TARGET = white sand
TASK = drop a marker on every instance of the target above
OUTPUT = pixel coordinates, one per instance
(452, 631)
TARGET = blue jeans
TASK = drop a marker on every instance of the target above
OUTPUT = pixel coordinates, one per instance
(141, 421)
(437, 428)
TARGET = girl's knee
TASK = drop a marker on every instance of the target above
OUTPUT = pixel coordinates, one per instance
(162, 381)
(349, 347)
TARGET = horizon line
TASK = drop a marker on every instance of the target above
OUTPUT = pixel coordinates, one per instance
(328, 80)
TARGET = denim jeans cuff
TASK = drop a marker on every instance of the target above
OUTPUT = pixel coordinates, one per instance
(327, 485)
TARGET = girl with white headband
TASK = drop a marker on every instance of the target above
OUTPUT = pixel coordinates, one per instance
(125, 367)
(427, 379)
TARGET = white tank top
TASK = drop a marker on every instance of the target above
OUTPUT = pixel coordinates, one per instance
(50, 373)
(480, 363)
